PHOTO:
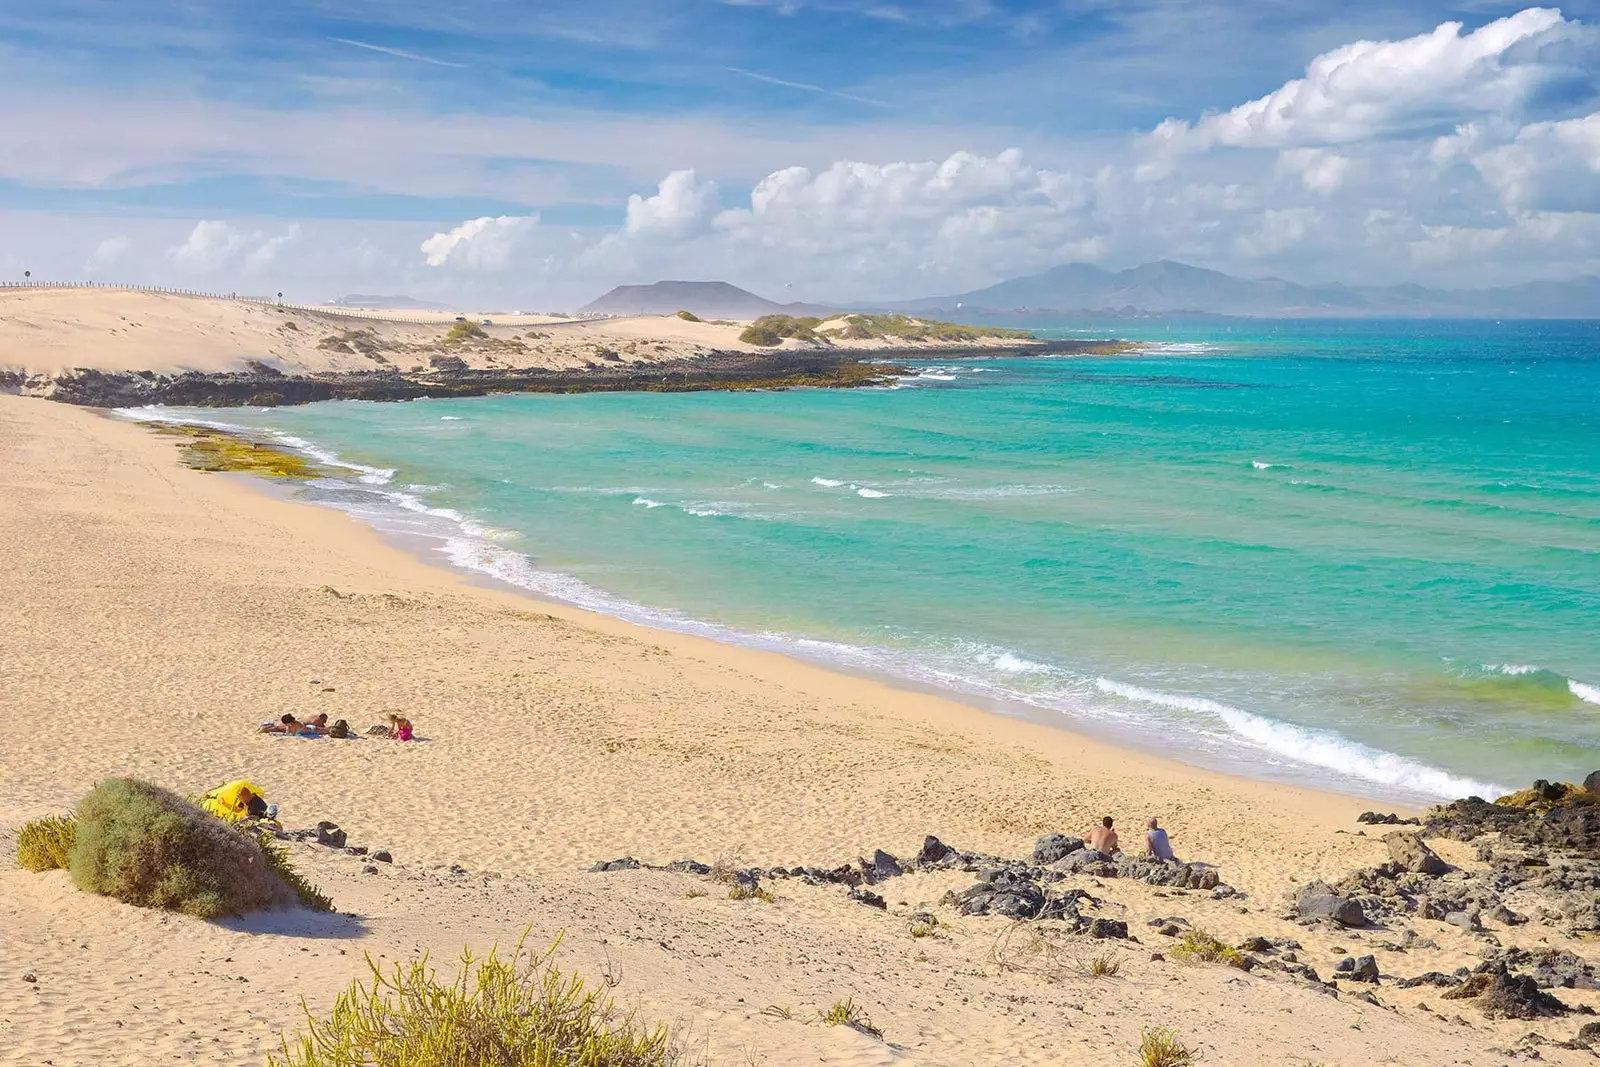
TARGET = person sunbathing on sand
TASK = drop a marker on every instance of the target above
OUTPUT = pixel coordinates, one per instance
(288, 724)
(1157, 845)
(399, 727)
(317, 726)
(1103, 839)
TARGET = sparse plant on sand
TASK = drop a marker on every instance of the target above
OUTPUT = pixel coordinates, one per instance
(148, 846)
(1162, 1047)
(846, 1013)
(518, 1011)
(464, 331)
(689, 316)
(744, 891)
(725, 868)
(1198, 946)
(695, 893)
(1104, 965)
(311, 898)
(923, 924)
(44, 844)
(1027, 948)
(778, 1011)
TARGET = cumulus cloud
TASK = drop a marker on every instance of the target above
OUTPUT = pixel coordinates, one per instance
(1548, 166)
(1375, 89)
(481, 244)
(215, 245)
(108, 253)
(682, 207)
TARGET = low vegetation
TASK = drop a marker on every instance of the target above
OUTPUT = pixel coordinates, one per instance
(1104, 965)
(311, 898)
(207, 449)
(751, 892)
(689, 316)
(518, 1011)
(906, 328)
(1162, 1047)
(770, 330)
(148, 846)
(923, 924)
(45, 844)
(846, 1013)
(464, 331)
(1198, 946)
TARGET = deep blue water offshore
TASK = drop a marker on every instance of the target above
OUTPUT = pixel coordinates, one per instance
(1360, 554)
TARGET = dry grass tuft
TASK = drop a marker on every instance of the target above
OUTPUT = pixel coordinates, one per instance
(846, 1013)
(749, 892)
(1027, 948)
(1161, 1047)
(515, 1012)
(44, 844)
(924, 925)
(1198, 946)
(1104, 965)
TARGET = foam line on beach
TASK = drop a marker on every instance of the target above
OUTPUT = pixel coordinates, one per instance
(1320, 748)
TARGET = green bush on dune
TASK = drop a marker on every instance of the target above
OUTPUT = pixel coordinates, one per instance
(44, 844)
(906, 328)
(148, 846)
(514, 1012)
(770, 330)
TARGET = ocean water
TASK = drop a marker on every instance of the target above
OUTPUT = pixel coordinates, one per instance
(1363, 555)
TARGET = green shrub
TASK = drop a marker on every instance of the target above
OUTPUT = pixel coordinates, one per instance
(761, 336)
(44, 844)
(516, 1012)
(310, 897)
(464, 331)
(1161, 1047)
(148, 846)
(746, 892)
(689, 316)
(846, 1013)
(904, 327)
(1198, 946)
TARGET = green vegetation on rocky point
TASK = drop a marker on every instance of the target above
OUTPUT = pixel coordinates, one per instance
(867, 327)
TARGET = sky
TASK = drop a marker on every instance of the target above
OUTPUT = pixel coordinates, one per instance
(532, 155)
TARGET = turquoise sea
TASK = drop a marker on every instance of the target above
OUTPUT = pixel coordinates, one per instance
(1364, 555)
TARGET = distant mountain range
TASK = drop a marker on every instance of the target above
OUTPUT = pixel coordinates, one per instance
(1167, 287)
(709, 300)
(1162, 288)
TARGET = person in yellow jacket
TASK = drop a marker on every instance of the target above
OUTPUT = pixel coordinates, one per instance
(238, 800)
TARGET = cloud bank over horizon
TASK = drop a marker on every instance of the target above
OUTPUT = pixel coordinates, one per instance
(1456, 155)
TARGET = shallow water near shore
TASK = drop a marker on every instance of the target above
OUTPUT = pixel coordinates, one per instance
(1359, 555)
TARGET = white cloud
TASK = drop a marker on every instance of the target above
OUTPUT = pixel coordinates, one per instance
(682, 207)
(481, 244)
(1548, 166)
(215, 245)
(108, 253)
(1372, 89)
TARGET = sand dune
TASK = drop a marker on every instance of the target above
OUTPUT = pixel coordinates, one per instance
(154, 614)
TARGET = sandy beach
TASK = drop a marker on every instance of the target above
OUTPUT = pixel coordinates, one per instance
(154, 615)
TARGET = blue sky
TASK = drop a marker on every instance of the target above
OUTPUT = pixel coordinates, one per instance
(351, 133)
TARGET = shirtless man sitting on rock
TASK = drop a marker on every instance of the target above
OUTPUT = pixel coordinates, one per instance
(1103, 839)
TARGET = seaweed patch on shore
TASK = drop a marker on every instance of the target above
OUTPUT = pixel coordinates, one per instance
(206, 448)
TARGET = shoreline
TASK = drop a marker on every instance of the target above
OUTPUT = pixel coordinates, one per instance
(543, 587)
(157, 613)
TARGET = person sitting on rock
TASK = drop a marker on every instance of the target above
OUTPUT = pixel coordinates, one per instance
(1103, 839)
(1157, 845)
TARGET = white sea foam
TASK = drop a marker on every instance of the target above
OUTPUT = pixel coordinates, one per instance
(862, 490)
(646, 502)
(1179, 348)
(1260, 466)
(1319, 748)
(1589, 694)
(1511, 668)
(1011, 663)
(449, 418)
(827, 483)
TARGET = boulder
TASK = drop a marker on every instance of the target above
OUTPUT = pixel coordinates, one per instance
(933, 851)
(328, 833)
(1466, 920)
(1052, 847)
(1408, 852)
(1433, 978)
(1592, 784)
(869, 898)
(627, 863)
(1365, 970)
(1511, 997)
(383, 856)
(688, 867)
(1319, 901)
(1109, 928)
(1588, 1033)
(882, 866)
